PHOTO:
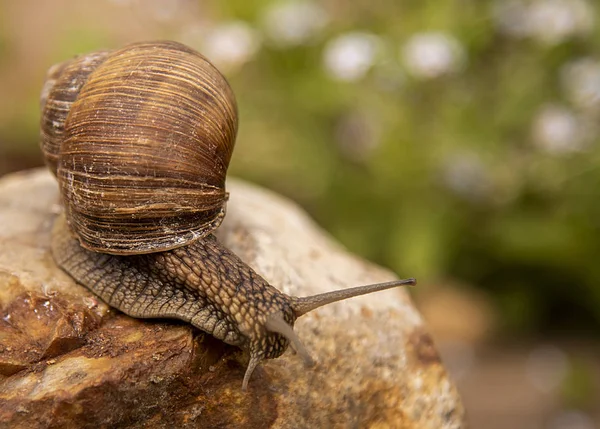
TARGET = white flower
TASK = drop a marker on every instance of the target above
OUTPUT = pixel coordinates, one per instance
(429, 55)
(291, 23)
(231, 44)
(571, 419)
(581, 81)
(557, 130)
(548, 21)
(546, 368)
(350, 56)
(165, 10)
(466, 175)
(552, 21)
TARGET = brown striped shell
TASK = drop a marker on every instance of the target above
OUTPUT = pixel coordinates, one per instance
(140, 140)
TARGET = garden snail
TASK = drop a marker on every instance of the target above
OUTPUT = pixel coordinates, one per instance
(139, 140)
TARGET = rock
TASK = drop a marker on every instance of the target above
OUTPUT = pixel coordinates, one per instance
(69, 361)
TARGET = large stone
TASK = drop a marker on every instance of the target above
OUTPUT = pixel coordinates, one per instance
(69, 361)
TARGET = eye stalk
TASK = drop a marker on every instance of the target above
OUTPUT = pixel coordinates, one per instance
(300, 306)
(303, 305)
(276, 323)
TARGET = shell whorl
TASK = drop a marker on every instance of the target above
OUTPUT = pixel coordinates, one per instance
(62, 85)
(145, 146)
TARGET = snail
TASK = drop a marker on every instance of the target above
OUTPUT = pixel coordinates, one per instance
(140, 139)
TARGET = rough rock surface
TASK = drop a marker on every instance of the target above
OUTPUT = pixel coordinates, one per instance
(68, 361)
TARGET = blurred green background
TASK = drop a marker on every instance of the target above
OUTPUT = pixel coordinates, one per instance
(455, 141)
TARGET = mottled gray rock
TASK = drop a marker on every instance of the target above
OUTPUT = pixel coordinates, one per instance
(67, 360)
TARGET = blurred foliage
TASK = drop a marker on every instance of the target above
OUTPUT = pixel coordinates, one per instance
(443, 178)
(578, 389)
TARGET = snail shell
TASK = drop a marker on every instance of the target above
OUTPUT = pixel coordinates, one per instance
(145, 136)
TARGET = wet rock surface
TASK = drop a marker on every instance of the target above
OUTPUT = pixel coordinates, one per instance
(68, 360)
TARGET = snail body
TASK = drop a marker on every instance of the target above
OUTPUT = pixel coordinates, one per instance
(140, 140)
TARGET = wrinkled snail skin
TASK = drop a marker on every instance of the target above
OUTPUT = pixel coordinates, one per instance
(140, 140)
(202, 283)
